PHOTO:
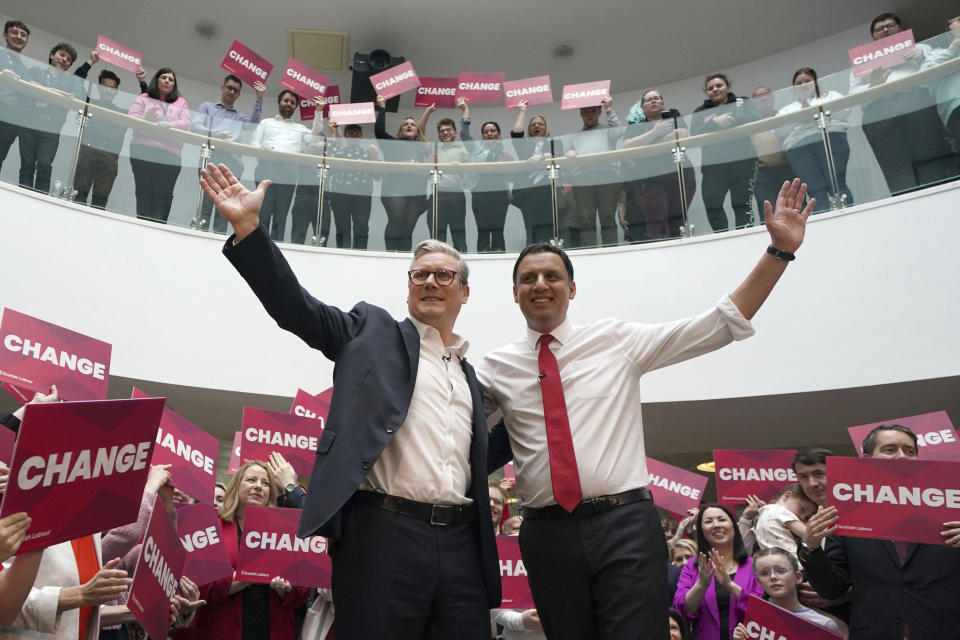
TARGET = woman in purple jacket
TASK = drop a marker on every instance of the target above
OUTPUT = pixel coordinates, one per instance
(714, 587)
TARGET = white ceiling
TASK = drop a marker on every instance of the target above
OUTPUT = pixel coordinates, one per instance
(633, 43)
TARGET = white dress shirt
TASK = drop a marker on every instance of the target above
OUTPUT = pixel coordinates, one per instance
(428, 459)
(600, 368)
(280, 135)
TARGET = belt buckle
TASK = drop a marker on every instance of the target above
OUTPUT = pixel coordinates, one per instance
(436, 509)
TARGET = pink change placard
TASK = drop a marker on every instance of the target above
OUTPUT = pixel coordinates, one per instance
(202, 539)
(480, 88)
(7, 438)
(352, 113)
(900, 499)
(585, 94)
(235, 462)
(35, 355)
(270, 547)
(746, 472)
(439, 91)
(295, 438)
(395, 80)
(191, 452)
(157, 574)
(533, 90)
(509, 473)
(513, 574)
(332, 97)
(244, 63)
(675, 489)
(881, 54)
(80, 467)
(936, 437)
(118, 55)
(303, 80)
(308, 110)
(764, 620)
(307, 405)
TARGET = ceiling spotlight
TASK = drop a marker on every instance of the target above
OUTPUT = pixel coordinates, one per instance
(707, 467)
(205, 29)
(564, 50)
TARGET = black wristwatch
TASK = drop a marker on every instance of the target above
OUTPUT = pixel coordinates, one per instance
(287, 490)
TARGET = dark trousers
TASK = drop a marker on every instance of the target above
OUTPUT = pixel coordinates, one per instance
(490, 211)
(155, 173)
(402, 215)
(96, 169)
(8, 133)
(767, 185)
(598, 576)
(351, 212)
(452, 213)
(536, 205)
(235, 164)
(735, 178)
(809, 161)
(596, 201)
(276, 203)
(908, 140)
(37, 150)
(658, 211)
(398, 578)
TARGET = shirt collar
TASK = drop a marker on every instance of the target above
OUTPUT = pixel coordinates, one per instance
(459, 346)
(560, 334)
(220, 104)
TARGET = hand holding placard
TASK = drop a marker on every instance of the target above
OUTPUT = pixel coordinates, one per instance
(239, 205)
(13, 530)
(820, 525)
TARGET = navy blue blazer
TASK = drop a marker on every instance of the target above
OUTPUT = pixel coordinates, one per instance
(375, 372)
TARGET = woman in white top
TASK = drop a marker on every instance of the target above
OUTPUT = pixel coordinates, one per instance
(804, 142)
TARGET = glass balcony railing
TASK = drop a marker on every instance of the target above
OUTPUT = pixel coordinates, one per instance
(852, 139)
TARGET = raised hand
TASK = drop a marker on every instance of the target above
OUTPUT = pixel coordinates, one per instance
(788, 221)
(106, 585)
(239, 205)
(820, 525)
(704, 569)
(13, 530)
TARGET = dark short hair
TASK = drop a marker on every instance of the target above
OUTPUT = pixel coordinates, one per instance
(882, 17)
(722, 76)
(541, 248)
(810, 72)
(447, 121)
(681, 622)
(154, 92)
(870, 442)
(64, 46)
(739, 550)
(106, 74)
(353, 127)
(490, 122)
(285, 92)
(10, 24)
(232, 78)
(810, 455)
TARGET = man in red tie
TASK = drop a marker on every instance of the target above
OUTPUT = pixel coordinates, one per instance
(591, 537)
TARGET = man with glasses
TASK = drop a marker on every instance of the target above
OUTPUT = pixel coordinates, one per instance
(221, 121)
(903, 129)
(15, 36)
(400, 478)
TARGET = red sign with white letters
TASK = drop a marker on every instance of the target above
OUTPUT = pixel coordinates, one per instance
(352, 113)
(585, 94)
(191, 452)
(439, 91)
(235, 462)
(675, 489)
(764, 620)
(395, 80)
(936, 437)
(881, 54)
(201, 535)
(307, 405)
(533, 90)
(156, 577)
(80, 467)
(34, 355)
(332, 97)
(295, 438)
(894, 499)
(513, 574)
(480, 88)
(118, 55)
(305, 81)
(244, 63)
(745, 472)
(308, 110)
(270, 547)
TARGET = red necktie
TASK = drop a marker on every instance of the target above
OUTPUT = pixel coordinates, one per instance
(563, 460)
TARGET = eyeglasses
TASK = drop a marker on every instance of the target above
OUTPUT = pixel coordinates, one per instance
(443, 277)
(887, 26)
(779, 571)
(232, 88)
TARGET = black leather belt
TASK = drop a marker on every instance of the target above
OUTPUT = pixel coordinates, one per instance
(439, 515)
(589, 506)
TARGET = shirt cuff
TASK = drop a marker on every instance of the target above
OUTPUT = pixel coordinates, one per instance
(740, 328)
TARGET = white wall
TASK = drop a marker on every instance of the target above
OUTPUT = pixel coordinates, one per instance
(873, 298)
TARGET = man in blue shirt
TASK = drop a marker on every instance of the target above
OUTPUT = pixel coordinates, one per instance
(15, 35)
(221, 121)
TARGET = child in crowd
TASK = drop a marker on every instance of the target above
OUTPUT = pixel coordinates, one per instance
(779, 522)
(779, 574)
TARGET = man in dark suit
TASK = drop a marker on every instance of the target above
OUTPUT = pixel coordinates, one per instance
(900, 590)
(399, 483)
